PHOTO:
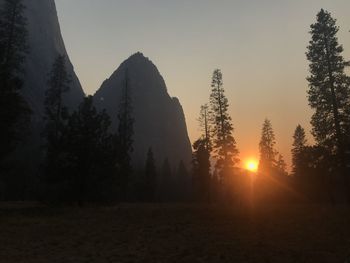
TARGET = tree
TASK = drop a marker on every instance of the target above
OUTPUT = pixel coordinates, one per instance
(56, 115)
(150, 177)
(86, 159)
(165, 185)
(201, 156)
(14, 111)
(298, 150)
(281, 166)
(205, 119)
(201, 170)
(267, 149)
(224, 143)
(329, 89)
(125, 133)
(182, 182)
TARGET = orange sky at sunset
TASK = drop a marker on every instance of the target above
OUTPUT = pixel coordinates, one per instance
(260, 48)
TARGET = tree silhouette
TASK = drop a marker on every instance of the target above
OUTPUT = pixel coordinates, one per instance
(165, 186)
(125, 134)
(56, 117)
(87, 156)
(329, 89)
(224, 143)
(298, 151)
(281, 166)
(150, 178)
(267, 149)
(205, 123)
(201, 170)
(201, 156)
(14, 111)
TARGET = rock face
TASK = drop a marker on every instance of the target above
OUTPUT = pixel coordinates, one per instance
(159, 119)
(45, 44)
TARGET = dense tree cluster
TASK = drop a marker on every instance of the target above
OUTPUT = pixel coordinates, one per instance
(85, 160)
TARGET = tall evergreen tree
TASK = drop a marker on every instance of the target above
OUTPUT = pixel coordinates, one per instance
(56, 112)
(329, 88)
(224, 143)
(125, 133)
(182, 182)
(201, 156)
(13, 49)
(205, 123)
(150, 178)
(86, 160)
(56, 116)
(165, 185)
(298, 150)
(281, 166)
(267, 149)
(201, 170)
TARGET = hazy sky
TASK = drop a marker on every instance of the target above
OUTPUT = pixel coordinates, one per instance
(259, 45)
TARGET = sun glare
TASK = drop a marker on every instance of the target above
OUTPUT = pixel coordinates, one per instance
(252, 166)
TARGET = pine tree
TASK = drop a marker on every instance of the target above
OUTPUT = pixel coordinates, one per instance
(166, 182)
(298, 151)
(329, 87)
(150, 177)
(205, 119)
(125, 133)
(56, 117)
(14, 111)
(201, 170)
(86, 159)
(224, 142)
(267, 149)
(281, 166)
(55, 111)
(182, 182)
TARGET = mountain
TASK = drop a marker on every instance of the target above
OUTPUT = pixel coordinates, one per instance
(45, 43)
(159, 119)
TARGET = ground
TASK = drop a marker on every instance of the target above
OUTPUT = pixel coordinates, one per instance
(174, 233)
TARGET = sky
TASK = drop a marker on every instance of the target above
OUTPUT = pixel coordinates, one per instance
(259, 46)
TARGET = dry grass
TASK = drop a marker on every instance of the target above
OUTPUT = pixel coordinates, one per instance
(174, 233)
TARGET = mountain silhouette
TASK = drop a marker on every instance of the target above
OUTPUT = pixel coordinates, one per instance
(159, 119)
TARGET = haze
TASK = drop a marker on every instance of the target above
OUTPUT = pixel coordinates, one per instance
(259, 46)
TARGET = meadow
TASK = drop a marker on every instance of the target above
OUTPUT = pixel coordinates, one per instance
(30, 233)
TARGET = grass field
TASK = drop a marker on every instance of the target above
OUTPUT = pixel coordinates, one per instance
(174, 233)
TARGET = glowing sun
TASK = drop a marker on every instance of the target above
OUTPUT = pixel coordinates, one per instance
(252, 166)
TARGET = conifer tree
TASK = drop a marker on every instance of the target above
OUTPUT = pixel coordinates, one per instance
(55, 111)
(86, 163)
(298, 151)
(125, 133)
(329, 87)
(267, 149)
(224, 143)
(205, 124)
(13, 49)
(201, 156)
(165, 181)
(281, 166)
(201, 170)
(56, 117)
(150, 177)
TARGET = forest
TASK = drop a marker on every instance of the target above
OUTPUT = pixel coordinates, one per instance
(84, 160)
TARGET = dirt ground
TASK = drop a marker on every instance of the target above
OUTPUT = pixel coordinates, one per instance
(174, 233)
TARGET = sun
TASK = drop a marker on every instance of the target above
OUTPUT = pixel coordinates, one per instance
(252, 166)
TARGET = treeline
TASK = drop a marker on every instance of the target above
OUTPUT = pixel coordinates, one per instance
(84, 160)
(320, 172)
